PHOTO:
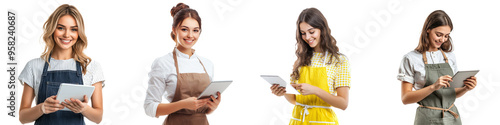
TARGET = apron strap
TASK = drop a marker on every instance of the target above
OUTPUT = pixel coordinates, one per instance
(443, 110)
(177, 65)
(424, 56)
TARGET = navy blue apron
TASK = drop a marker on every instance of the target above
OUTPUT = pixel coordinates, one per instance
(49, 85)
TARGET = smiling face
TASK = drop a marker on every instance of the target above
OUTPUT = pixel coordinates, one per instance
(66, 33)
(438, 36)
(310, 35)
(187, 33)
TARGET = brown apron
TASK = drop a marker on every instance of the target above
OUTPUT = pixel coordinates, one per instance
(189, 85)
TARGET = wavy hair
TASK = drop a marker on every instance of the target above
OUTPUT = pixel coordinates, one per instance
(48, 35)
(304, 52)
(435, 19)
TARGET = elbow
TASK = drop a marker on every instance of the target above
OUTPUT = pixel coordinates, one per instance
(343, 108)
(405, 101)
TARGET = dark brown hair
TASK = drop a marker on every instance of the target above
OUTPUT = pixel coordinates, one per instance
(304, 52)
(435, 19)
(180, 12)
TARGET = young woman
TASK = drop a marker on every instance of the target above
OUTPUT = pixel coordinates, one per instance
(63, 61)
(182, 75)
(320, 73)
(428, 70)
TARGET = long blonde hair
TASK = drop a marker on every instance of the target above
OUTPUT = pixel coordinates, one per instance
(50, 26)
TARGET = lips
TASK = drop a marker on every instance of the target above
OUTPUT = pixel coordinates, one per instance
(65, 41)
(189, 41)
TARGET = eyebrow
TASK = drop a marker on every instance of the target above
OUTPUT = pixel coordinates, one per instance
(442, 33)
(307, 29)
(65, 26)
(188, 27)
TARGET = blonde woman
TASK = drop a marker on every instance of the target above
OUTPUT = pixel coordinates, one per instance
(62, 61)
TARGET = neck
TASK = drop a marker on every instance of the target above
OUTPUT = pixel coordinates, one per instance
(433, 49)
(317, 49)
(187, 51)
(62, 54)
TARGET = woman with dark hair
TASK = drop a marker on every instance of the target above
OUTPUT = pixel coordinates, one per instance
(320, 73)
(182, 74)
(428, 70)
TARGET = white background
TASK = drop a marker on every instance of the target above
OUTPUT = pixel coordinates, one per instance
(245, 39)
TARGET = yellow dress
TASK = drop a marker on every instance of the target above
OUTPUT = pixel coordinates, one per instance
(310, 109)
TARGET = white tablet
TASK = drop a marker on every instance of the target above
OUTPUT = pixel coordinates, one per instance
(213, 88)
(67, 91)
(461, 76)
(274, 79)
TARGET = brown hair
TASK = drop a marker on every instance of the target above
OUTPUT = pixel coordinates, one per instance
(81, 43)
(435, 19)
(180, 12)
(304, 52)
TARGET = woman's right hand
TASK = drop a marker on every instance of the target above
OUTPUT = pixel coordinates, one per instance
(193, 103)
(51, 105)
(278, 90)
(442, 81)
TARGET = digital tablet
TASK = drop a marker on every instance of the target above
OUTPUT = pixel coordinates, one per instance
(274, 79)
(67, 91)
(214, 87)
(461, 76)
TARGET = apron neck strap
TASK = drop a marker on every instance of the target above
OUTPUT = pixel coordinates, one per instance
(177, 64)
(424, 56)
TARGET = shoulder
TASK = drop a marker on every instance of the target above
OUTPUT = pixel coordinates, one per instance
(412, 56)
(450, 55)
(35, 62)
(206, 62)
(164, 60)
(94, 65)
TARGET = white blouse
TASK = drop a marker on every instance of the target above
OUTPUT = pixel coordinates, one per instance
(163, 77)
(32, 72)
(412, 68)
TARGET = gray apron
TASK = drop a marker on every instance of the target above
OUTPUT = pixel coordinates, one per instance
(438, 107)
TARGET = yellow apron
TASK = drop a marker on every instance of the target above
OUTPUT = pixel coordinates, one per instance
(310, 109)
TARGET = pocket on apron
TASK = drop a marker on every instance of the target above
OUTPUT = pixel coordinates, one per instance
(52, 88)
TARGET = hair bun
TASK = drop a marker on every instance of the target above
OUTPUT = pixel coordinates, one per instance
(178, 8)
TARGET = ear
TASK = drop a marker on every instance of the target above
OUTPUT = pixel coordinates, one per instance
(428, 31)
(174, 32)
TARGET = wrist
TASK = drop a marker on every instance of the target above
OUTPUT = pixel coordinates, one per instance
(42, 108)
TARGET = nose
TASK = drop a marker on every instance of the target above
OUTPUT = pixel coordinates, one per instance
(67, 33)
(190, 34)
(443, 39)
(308, 36)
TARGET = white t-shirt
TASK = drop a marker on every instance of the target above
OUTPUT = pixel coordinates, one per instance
(163, 77)
(412, 68)
(32, 72)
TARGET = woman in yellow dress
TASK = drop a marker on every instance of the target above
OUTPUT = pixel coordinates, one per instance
(320, 73)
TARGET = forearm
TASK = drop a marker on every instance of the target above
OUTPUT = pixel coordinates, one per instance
(335, 101)
(409, 97)
(168, 108)
(290, 98)
(27, 115)
(94, 114)
(459, 92)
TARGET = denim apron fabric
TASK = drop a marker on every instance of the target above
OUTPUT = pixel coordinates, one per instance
(49, 86)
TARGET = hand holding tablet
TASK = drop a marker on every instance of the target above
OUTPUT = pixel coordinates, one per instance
(274, 79)
(213, 88)
(68, 91)
(460, 77)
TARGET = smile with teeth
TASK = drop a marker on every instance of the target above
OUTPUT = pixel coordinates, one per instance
(65, 41)
(188, 41)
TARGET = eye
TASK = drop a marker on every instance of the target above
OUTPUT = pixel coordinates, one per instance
(302, 33)
(59, 28)
(438, 35)
(74, 29)
(184, 30)
(311, 32)
(196, 31)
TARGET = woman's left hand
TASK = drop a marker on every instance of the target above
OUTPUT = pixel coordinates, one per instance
(306, 89)
(76, 105)
(470, 83)
(214, 103)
